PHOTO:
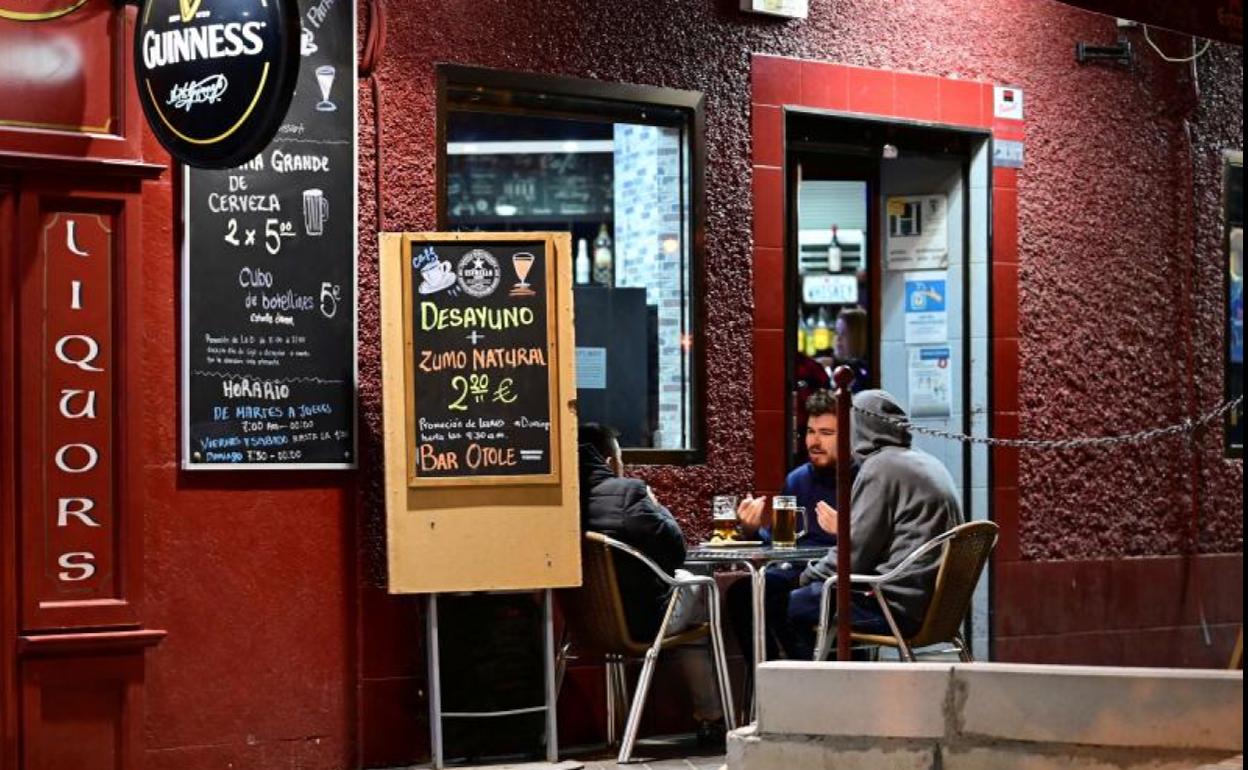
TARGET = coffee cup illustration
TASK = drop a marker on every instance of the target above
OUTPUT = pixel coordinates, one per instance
(315, 211)
(436, 276)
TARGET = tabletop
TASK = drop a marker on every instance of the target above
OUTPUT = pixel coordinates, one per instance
(764, 554)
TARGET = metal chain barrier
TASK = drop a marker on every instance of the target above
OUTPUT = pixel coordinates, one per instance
(1187, 426)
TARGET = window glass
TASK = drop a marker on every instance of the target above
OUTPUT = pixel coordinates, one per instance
(616, 176)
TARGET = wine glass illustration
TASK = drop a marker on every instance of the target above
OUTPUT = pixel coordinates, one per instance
(523, 263)
(325, 79)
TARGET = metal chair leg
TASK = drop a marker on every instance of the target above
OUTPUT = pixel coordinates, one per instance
(623, 698)
(964, 651)
(719, 658)
(609, 665)
(639, 705)
(902, 647)
(822, 635)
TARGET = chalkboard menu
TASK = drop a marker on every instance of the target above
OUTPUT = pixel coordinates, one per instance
(269, 279)
(481, 368)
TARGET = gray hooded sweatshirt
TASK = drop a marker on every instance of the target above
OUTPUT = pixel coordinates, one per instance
(902, 498)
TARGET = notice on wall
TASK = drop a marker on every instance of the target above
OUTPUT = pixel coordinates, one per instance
(931, 392)
(591, 368)
(927, 315)
(269, 280)
(918, 233)
(482, 370)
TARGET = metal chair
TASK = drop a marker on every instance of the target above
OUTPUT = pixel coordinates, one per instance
(966, 549)
(595, 614)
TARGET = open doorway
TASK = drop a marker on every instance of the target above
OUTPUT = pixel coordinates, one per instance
(887, 271)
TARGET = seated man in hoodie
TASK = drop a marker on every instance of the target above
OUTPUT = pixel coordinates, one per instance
(902, 497)
(625, 509)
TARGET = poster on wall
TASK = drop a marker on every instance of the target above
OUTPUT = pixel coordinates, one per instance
(931, 392)
(918, 233)
(269, 279)
(927, 314)
(1233, 206)
(1235, 337)
(481, 369)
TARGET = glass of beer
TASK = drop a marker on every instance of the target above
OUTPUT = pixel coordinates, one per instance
(724, 513)
(785, 513)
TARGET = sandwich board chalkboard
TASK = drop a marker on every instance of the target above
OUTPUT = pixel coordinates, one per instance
(478, 373)
(269, 279)
(482, 374)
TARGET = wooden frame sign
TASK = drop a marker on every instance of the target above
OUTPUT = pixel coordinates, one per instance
(480, 362)
(479, 403)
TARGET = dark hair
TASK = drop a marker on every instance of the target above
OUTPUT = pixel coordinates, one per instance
(855, 319)
(599, 436)
(821, 402)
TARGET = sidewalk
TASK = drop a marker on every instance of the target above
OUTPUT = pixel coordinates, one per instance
(676, 752)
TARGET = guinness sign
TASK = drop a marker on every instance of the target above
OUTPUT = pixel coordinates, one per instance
(215, 76)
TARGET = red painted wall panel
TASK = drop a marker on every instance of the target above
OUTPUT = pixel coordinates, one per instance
(1099, 140)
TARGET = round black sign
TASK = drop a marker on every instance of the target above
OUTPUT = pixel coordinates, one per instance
(215, 76)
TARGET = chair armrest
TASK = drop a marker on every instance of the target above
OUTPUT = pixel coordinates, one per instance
(902, 568)
(646, 560)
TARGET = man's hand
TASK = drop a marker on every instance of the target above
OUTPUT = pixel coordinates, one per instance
(752, 514)
(827, 517)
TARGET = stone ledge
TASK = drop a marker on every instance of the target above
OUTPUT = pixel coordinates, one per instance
(853, 699)
(1102, 706)
(981, 704)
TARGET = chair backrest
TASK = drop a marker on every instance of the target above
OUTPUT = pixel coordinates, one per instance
(595, 612)
(962, 562)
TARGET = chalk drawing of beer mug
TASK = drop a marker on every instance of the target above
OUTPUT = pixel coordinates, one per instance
(315, 211)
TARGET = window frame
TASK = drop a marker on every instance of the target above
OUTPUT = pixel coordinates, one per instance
(691, 104)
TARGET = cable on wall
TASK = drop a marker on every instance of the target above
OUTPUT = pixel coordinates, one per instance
(1176, 59)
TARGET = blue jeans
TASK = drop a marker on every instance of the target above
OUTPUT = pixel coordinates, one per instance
(803, 618)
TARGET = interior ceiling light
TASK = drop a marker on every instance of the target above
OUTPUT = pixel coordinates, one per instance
(889, 152)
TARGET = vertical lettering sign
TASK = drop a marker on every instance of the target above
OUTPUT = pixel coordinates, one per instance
(269, 279)
(481, 371)
(78, 493)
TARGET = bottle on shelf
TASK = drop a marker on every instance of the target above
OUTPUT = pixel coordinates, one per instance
(822, 333)
(582, 262)
(604, 273)
(810, 336)
(802, 333)
(834, 253)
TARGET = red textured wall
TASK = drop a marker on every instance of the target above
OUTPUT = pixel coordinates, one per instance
(283, 649)
(1104, 153)
(251, 573)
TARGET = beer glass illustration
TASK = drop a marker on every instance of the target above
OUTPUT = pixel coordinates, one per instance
(315, 211)
(325, 79)
(523, 263)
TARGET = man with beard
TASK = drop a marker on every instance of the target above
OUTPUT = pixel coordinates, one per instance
(811, 483)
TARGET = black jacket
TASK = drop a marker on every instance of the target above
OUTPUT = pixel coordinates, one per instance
(621, 508)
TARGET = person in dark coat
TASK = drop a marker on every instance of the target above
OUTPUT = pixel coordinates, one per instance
(625, 509)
